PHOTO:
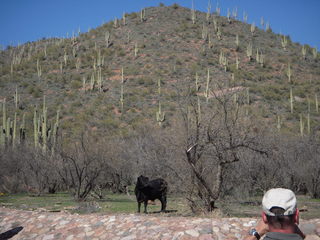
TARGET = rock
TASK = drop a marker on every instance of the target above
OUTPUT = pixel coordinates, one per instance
(193, 233)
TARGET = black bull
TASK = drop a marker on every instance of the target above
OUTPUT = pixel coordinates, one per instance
(150, 190)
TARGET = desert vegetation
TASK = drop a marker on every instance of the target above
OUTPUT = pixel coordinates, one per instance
(203, 101)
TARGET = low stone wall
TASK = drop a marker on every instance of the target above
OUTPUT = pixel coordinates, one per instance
(47, 225)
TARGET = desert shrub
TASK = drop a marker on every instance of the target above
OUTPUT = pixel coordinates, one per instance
(175, 6)
(35, 90)
(75, 84)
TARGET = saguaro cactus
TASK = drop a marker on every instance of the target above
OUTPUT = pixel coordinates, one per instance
(44, 125)
(289, 73)
(14, 131)
(143, 15)
(193, 14)
(279, 123)
(99, 79)
(2, 137)
(197, 82)
(121, 90)
(16, 98)
(235, 13)
(206, 94)
(262, 22)
(237, 62)
(35, 128)
(136, 50)
(218, 9)
(219, 33)
(245, 17)
(314, 53)
(301, 125)
(84, 85)
(65, 58)
(4, 115)
(160, 116)
(124, 19)
(248, 101)
(284, 42)
(237, 42)
(291, 100)
(115, 23)
(208, 11)
(39, 71)
(92, 82)
(249, 51)
(22, 132)
(55, 131)
(304, 52)
(268, 27)
(253, 28)
(107, 39)
(229, 16)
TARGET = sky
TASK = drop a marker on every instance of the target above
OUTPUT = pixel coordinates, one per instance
(30, 20)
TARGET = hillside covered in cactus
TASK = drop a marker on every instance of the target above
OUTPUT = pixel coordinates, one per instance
(131, 72)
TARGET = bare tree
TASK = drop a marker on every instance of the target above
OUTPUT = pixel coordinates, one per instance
(216, 136)
(82, 164)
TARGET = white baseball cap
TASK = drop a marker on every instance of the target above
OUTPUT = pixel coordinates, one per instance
(279, 197)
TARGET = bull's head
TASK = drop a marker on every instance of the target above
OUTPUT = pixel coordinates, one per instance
(142, 181)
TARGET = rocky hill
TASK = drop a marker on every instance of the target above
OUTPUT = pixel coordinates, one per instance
(108, 79)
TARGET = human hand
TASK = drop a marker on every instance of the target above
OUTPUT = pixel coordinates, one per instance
(262, 228)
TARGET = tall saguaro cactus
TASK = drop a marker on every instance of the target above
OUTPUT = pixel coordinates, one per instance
(314, 53)
(289, 73)
(160, 116)
(304, 52)
(206, 94)
(291, 100)
(284, 42)
(301, 125)
(14, 130)
(4, 115)
(197, 82)
(55, 131)
(107, 39)
(208, 11)
(44, 125)
(317, 105)
(193, 14)
(16, 98)
(121, 90)
(253, 28)
(4, 124)
(143, 15)
(249, 51)
(237, 42)
(35, 128)
(279, 122)
(136, 50)
(39, 71)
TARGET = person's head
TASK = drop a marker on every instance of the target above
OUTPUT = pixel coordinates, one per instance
(280, 208)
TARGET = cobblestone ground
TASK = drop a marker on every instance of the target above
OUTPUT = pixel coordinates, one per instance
(47, 225)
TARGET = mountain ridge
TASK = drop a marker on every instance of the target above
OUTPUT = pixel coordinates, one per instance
(165, 45)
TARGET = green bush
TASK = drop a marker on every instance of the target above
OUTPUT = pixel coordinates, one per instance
(175, 6)
(75, 84)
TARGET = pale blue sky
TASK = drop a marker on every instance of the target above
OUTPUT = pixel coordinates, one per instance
(30, 20)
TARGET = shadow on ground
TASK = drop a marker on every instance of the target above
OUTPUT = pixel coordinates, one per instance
(9, 234)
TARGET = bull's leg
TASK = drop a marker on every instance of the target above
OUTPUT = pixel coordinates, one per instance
(145, 206)
(139, 206)
(163, 201)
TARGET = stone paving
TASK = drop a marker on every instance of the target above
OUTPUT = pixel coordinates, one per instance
(48, 225)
